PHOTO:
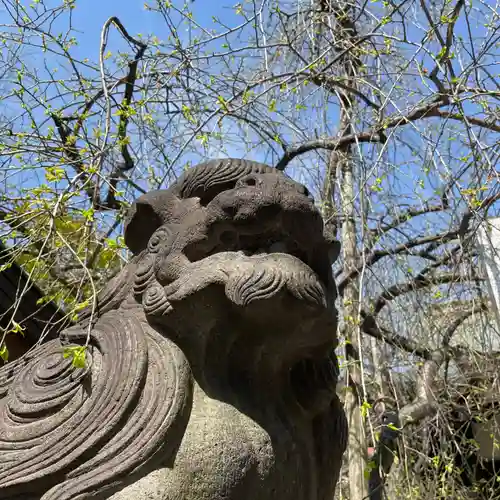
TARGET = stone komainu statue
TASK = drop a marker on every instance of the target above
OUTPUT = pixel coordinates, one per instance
(210, 371)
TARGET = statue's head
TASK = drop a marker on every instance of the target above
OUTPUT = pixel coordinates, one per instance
(235, 252)
(238, 238)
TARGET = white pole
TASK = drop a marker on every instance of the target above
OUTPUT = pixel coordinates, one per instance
(489, 250)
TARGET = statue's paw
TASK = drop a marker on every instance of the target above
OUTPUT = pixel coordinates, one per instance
(199, 276)
(253, 282)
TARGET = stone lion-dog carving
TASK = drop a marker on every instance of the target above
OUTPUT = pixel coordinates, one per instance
(210, 369)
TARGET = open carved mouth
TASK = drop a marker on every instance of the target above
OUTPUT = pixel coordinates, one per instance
(252, 245)
(314, 256)
(264, 220)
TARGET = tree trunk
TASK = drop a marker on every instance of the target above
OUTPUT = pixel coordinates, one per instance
(339, 16)
(357, 448)
(354, 397)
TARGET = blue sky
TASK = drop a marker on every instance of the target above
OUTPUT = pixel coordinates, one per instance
(90, 15)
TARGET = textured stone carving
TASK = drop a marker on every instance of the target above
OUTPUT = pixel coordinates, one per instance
(210, 367)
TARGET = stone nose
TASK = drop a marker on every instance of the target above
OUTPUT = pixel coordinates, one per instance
(274, 181)
(250, 180)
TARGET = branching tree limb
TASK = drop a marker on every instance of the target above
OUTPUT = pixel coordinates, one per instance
(378, 133)
(69, 138)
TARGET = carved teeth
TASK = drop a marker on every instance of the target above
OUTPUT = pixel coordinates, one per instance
(283, 246)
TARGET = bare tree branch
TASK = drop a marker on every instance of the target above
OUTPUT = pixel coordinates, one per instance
(378, 134)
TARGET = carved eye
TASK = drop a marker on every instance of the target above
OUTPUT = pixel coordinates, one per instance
(159, 237)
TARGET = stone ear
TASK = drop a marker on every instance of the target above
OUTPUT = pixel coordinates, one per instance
(143, 219)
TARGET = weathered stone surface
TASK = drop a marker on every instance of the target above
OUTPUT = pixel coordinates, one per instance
(210, 368)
